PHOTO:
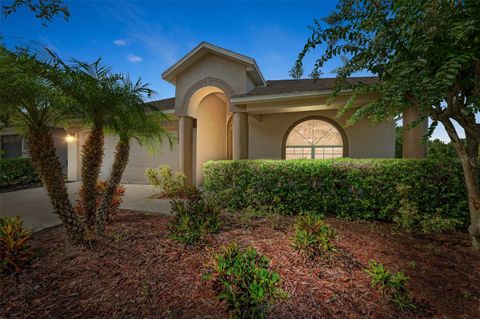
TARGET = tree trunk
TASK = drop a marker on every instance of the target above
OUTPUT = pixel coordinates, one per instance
(118, 167)
(92, 156)
(468, 155)
(471, 179)
(49, 169)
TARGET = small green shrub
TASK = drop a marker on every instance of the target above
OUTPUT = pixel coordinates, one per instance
(347, 188)
(195, 217)
(16, 172)
(410, 220)
(14, 249)
(242, 279)
(170, 185)
(313, 237)
(394, 286)
(439, 224)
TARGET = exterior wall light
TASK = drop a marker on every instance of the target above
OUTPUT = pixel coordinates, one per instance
(69, 138)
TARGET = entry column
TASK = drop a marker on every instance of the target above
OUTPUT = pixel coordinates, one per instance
(185, 144)
(240, 135)
(413, 146)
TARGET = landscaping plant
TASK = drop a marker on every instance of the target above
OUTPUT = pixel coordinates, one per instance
(14, 249)
(426, 54)
(132, 122)
(17, 172)
(410, 220)
(313, 237)
(242, 278)
(34, 105)
(392, 285)
(347, 188)
(170, 185)
(114, 204)
(195, 217)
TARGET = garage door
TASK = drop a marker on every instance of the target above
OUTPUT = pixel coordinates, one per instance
(140, 160)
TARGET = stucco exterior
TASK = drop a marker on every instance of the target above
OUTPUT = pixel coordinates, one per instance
(364, 140)
(225, 109)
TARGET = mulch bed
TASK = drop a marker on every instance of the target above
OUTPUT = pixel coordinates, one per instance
(140, 273)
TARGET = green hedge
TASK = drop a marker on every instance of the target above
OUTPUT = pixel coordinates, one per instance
(16, 172)
(347, 188)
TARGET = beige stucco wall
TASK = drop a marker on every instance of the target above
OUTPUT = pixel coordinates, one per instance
(210, 66)
(365, 141)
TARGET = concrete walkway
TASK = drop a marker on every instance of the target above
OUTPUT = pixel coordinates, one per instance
(33, 205)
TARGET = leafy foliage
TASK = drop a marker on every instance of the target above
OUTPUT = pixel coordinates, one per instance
(426, 54)
(313, 237)
(171, 185)
(347, 188)
(101, 187)
(394, 286)
(195, 218)
(45, 10)
(17, 171)
(409, 219)
(242, 279)
(14, 249)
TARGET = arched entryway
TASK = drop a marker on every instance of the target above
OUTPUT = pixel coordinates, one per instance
(315, 138)
(208, 105)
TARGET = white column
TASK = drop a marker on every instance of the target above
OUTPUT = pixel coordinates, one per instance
(73, 156)
(185, 141)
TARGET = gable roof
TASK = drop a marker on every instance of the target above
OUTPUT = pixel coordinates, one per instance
(204, 48)
(275, 87)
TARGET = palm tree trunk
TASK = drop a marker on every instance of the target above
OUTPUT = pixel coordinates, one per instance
(49, 169)
(120, 162)
(92, 156)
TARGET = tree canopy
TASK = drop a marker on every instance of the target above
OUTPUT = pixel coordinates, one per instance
(426, 54)
(45, 10)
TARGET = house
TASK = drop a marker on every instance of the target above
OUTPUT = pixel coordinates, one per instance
(225, 109)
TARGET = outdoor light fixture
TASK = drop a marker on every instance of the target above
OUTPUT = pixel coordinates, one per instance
(69, 138)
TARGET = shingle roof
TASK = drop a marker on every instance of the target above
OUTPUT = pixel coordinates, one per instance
(302, 85)
(162, 105)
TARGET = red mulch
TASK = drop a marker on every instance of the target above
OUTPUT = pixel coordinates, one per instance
(139, 273)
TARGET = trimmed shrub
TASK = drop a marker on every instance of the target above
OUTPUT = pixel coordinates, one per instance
(393, 286)
(195, 217)
(313, 237)
(347, 188)
(101, 187)
(15, 172)
(170, 185)
(242, 279)
(410, 220)
(14, 249)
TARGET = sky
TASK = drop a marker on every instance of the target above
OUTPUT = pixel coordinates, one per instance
(144, 38)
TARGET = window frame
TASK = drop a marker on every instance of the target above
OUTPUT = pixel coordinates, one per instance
(336, 125)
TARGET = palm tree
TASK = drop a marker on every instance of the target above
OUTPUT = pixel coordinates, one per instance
(132, 122)
(33, 104)
(99, 100)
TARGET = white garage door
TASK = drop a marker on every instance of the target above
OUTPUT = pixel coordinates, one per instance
(140, 160)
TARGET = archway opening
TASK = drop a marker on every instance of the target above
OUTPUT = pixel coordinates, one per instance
(315, 138)
(211, 131)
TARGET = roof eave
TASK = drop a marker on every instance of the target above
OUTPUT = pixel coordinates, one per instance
(282, 96)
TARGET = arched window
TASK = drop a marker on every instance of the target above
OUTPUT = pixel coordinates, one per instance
(315, 138)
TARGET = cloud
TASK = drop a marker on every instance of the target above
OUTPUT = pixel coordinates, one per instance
(134, 58)
(120, 42)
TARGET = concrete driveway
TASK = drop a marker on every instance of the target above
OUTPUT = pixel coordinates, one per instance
(33, 205)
